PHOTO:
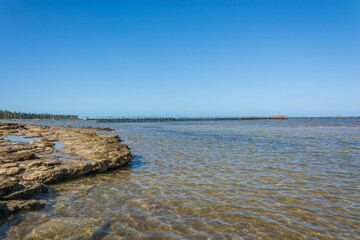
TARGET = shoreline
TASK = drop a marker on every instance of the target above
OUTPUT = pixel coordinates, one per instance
(33, 156)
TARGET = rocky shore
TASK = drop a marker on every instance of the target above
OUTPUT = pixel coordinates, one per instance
(33, 156)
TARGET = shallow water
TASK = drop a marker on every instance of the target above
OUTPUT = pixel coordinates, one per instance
(20, 139)
(268, 179)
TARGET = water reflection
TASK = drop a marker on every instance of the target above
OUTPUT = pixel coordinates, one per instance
(20, 138)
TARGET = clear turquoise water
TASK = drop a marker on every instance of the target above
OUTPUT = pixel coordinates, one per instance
(268, 179)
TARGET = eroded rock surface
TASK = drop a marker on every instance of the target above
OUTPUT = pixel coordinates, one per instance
(32, 156)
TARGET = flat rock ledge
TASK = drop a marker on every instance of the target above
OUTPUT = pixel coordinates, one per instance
(32, 156)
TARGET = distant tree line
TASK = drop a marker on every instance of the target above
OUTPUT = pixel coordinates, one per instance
(20, 115)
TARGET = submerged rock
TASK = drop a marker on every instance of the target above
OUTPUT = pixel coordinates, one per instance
(21, 205)
(26, 165)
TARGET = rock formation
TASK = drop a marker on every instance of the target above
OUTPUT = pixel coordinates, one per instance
(32, 156)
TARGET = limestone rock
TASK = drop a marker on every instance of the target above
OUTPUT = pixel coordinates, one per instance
(60, 153)
(21, 205)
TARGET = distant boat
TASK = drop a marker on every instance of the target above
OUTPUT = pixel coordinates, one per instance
(85, 118)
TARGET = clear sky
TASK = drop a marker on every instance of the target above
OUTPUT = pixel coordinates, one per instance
(181, 58)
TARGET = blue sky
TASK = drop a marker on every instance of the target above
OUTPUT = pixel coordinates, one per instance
(181, 58)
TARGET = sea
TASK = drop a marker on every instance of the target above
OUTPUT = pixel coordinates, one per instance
(255, 179)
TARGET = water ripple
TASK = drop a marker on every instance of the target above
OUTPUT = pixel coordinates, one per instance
(296, 179)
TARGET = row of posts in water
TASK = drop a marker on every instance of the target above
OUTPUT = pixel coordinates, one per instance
(179, 119)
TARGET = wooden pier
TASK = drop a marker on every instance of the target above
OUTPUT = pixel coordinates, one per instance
(185, 119)
(272, 117)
